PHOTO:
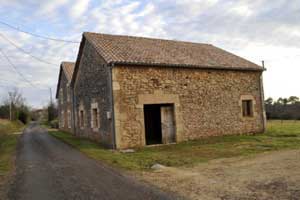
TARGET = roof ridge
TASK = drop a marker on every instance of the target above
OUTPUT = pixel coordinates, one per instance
(136, 49)
(69, 62)
(148, 38)
(68, 69)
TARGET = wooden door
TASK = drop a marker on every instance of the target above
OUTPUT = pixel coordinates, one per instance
(167, 124)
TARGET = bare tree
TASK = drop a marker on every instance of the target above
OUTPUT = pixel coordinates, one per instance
(14, 106)
(15, 98)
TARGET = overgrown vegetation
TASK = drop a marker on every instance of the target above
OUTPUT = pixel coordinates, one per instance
(48, 116)
(279, 135)
(14, 107)
(8, 142)
(52, 115)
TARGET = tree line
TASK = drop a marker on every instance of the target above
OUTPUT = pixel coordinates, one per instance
(14, 107)
(283, 108)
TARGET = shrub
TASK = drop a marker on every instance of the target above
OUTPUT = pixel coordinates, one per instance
(54, 123)
(23, 116)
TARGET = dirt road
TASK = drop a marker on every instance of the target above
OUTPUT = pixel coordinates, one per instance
(268, 176)
(50, 169)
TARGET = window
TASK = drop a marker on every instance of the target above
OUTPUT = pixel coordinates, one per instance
(247, 108)
(61, 95)
(81, 118)
(69, 119)
(95, 119)
(68, 94)
(62, 120)
(95, 122)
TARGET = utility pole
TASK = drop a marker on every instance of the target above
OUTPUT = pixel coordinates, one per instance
(10, 111)
(10, 107)
(264, 116)
(50, 96)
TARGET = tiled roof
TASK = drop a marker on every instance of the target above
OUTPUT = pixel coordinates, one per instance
(68, 68)
(147, 51)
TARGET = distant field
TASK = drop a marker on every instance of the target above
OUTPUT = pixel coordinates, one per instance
(8, 142)
(279, 135)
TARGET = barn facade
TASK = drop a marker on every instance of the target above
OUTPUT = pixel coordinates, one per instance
(131, 91)
(64, 96)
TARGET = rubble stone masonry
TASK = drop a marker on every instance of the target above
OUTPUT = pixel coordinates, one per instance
(93, 87)
(64, 105)
(206, 102)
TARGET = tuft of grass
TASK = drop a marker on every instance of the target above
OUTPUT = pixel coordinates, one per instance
(8, 142)
(279, 135)
(7, 126)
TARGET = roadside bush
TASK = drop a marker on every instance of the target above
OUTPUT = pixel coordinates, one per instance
(7, 126)
(23, 117)
(54, 123)
(52, 112)
(4, 111)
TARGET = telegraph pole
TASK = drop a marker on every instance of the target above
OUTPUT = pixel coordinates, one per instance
(10, 107)
(10, 110)
(50, 96)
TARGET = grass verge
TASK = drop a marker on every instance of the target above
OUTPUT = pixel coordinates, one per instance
(279, 135)
(8, 142)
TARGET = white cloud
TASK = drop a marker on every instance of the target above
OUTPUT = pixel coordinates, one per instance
(242, 10)
(78, 8)
(51, 7)
(128, 18)
(256, 30)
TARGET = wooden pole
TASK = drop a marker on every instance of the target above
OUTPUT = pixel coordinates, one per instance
(10, 111)
(50, 96)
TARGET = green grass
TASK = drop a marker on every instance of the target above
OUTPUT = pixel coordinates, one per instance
(279, 135)
(8, 142)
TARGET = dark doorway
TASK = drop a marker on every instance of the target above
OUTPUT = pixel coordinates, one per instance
(153, 124)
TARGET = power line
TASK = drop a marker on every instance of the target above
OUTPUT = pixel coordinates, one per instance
(7, 80)
(24, 51)
(15, 68)
(37, 35)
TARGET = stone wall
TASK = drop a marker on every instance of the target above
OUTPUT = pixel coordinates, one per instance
(93, 86)
(64, 106)
(206, 102)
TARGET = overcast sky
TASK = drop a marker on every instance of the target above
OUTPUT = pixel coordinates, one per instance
(254, 29)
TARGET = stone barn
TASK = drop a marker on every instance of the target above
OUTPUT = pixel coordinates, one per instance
(64, 96)
(133, 91)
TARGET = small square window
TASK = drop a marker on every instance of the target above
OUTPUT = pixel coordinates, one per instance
(61, 96)
(62, 119)
(69, 93)
(69, 119)
(81, 118)
(95, 118)
(247, 108)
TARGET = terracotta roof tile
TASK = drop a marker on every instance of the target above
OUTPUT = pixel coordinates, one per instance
(68, 68)
(148, 51)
